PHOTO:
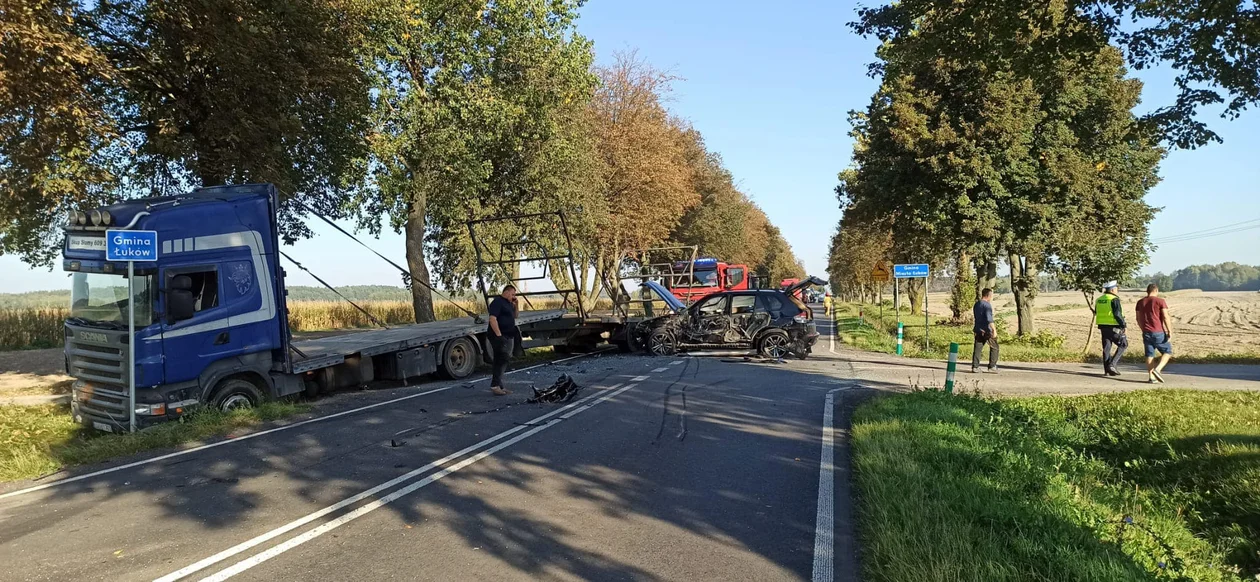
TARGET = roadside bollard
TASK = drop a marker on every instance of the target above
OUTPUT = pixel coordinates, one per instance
(901, 332)
(951, 368)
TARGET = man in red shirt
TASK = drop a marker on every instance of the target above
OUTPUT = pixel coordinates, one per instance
(1152, 316)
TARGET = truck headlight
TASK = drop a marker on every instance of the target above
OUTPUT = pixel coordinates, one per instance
(151, 409)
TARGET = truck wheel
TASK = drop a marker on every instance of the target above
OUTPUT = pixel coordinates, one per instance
(459, 359)
(235, 393)
(774, 344)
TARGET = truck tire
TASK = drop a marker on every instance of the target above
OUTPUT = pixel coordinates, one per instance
(775, 344)
(235, 393)
(459, 358)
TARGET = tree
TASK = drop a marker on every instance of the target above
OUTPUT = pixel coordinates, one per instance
(1213, 45)
(647, 184)
(478, 112)
(725, 224)
(986, 143)
(112, 99)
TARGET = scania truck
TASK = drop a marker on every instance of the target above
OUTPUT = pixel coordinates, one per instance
(211, 319)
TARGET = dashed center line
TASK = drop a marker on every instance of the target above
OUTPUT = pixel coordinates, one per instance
(659, 370)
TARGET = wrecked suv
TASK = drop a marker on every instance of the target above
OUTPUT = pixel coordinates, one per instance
(773, 322)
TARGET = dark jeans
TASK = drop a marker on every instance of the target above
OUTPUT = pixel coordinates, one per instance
(1113, 336)
(982, 338)
(502, 356)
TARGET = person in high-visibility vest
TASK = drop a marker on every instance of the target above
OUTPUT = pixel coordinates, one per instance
(1109, 317)
(827, 304)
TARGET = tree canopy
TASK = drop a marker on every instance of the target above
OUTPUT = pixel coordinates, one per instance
(112, 99)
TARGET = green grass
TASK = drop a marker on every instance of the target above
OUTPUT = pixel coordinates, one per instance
(1043, 347)
(1155, 485)
(38, 440)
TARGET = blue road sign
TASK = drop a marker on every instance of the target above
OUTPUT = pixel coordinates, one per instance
(910, 271)
(131, 245)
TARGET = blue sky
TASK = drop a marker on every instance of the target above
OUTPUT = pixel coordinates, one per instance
(770, 85)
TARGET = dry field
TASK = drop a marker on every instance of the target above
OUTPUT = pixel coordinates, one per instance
(1218, 322)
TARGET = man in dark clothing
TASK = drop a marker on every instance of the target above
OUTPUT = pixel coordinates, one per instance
(503, 336)
(986, 332)
(1109, 317)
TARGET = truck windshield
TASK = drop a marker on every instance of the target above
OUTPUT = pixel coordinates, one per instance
(102, 298)
(704, 279)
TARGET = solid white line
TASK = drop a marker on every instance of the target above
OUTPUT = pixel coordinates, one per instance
(258, 434)
(659, 370)
(247, 544)
(825, 521)
(831, 337)
(365, 509)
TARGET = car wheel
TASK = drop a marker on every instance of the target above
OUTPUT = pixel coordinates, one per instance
(459, 359)
(662, 343)
(235, 394)
(774, 344)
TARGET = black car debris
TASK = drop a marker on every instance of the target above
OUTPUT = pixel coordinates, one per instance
(772, 321)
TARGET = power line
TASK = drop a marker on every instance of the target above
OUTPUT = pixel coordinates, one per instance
(1211, 232)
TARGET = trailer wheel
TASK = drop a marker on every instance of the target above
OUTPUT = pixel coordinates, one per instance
(235, 393)
(774, 344)
(459, 359)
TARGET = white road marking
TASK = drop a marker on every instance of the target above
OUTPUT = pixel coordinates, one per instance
(659, 370)
(368, 508)
(831, 337)
(258, 434)
(675, 362)
(639, 378)
(232, 551)
(825, 521)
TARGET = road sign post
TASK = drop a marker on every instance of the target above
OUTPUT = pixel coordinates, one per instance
(914, 271)
(880, 274)
(131, 246)
(951, 368)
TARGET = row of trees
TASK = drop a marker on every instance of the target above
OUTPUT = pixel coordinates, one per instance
(412, 115)
(1004, 131)
(1223, 277)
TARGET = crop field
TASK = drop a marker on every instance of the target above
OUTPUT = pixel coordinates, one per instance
(1204, 323)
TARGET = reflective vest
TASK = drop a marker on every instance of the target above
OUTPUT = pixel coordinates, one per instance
(1102, 310)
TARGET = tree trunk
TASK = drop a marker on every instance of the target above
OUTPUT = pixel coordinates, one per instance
(1089, 335)
(961, 297)
(1024, 287)
(421, 297)
(986, 275)
(915, 293)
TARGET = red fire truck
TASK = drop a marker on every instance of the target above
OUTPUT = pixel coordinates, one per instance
(708, 275)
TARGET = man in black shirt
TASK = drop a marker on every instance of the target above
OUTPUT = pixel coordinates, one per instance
(986, 332)
(503, 336)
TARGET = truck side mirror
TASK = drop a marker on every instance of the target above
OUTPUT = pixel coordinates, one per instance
(179, 299)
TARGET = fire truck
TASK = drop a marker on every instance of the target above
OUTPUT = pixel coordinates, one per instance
(707, 275)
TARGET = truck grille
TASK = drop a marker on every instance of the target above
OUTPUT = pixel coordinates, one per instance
(98, 358)
(106, 364)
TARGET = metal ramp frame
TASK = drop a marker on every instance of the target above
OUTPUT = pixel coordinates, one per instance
(648, 265)
(527, 248)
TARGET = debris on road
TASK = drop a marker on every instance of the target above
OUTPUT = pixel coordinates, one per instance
(562, 391)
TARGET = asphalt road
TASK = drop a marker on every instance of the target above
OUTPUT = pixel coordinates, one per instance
(662, 469)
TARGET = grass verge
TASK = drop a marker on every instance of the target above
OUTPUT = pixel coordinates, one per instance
(1156, 485)
(874, 337)
(38, 440)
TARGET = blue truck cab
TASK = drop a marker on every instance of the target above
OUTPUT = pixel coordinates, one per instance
(210, 317)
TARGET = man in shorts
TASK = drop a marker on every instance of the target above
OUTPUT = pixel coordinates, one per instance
(1152, 316)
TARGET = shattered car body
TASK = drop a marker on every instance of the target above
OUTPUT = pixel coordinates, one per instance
(773, 322)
